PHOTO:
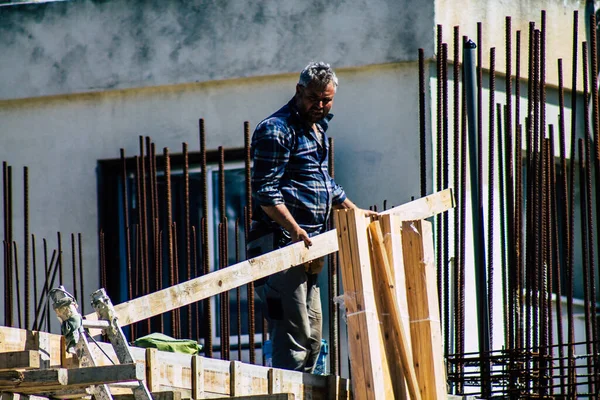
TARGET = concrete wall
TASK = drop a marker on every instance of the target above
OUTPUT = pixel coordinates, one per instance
(492, 14)
(86, 45)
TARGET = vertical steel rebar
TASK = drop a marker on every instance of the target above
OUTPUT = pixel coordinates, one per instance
(518, 224)
(570, 267)
(422, 132)
(584, 247)
(74, 264)
(333, 285)
(247, 219)
(169, 222)
(45, 290)
(205, 248)
(27, 272)
(444, 239)
(142, 196)
(124, 199)
(491, 138)
(456, 174)
(238, 291)
(17, 284)
(176, 265)
(439, 162)
(8, 309)
(81, 286)
(35, 282)
(186, 201)
(502, 211)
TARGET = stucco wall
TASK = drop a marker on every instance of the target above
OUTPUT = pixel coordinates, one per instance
(493, 13)
(86, 45)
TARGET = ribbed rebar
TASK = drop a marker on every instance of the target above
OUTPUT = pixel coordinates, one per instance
(584, 248)
(17, 284)
(333, 283)
(176, 265)
(490, 255)
(27, 266)
(422, 132)
(35, 282)
(169, 221)
(7, 266)
(238, 291)
(438, 151)
(186, 202)
(502, 210)
(45, 289)
(205, 245)
(144, 224)
(445, 241)
(456, 174)
(81, 280)
(74, 264)
(247, 218)
(570, 267)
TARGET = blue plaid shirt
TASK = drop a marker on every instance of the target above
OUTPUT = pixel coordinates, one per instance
(290, 167)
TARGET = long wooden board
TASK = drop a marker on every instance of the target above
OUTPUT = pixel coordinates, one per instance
(225, 279)
(398, 344)
(421, 286)
(248, 271)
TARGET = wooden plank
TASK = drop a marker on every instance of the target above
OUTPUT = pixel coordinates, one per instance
(391, 227)
(377, 380)
(37, 378)
(279, 396)
(275, 377)
(421, 287)
(397, 344)
(26, 359)
(152, 372)
(250, 270)
(166, 395)
(56, 379)
(355, 337)
(197, 377)
(424, 207)
(225, 279)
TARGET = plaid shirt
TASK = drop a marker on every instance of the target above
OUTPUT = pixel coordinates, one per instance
(290, 167)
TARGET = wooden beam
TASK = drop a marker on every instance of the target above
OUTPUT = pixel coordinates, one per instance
(45, 380)
(225, 279)
(197, 377)
(26, 359)
(397, 344)
(424, 207)
(370, 373)
(421, 287)
(248, 271)
(168, 395)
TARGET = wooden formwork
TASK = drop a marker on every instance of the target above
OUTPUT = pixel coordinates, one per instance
(176, 376)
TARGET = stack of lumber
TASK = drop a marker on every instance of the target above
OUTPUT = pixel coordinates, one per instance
(391, 301)
(169, 376)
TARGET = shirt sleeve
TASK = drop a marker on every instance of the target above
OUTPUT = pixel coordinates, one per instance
(337, 193)
(271, 147)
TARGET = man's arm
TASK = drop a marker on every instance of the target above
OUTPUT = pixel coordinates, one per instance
(282, 216)
(349, 204)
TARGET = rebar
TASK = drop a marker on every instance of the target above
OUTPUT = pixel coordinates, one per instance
(169, 221)
(422, 132)
(247, 218)
(205, 245)
(74, 264)
(176, 265)
(144, 225)
(238, 291)
(456, 173)
(490, 255)
(17, 284)
(439, 162)
(8, 309)
(27, 272)
(445, 239)
(125, 200)
(81, 286)
(584, 246)
(35, 283)
(186, 201)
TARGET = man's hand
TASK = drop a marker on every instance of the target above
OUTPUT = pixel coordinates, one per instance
(300, 234)
(369, 213)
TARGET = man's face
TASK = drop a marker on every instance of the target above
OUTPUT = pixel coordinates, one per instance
(314, 102)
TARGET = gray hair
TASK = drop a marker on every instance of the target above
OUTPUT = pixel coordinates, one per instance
(319, 73)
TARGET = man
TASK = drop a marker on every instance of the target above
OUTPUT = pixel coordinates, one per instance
(293, 195)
